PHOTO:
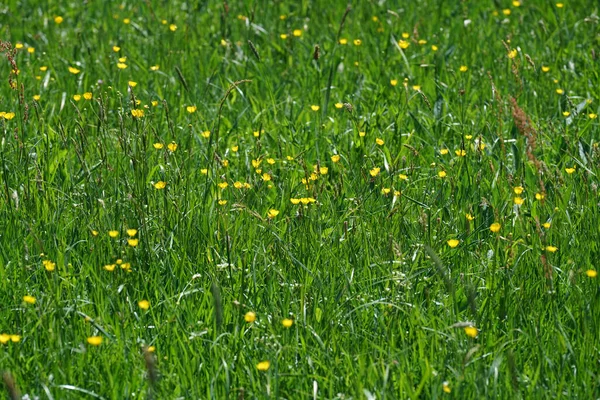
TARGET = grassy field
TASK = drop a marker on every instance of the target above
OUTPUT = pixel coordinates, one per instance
(300, 199)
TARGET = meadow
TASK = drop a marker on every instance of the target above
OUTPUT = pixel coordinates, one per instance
(299, 199)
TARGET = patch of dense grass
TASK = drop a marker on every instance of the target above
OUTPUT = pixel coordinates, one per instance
(414, 186)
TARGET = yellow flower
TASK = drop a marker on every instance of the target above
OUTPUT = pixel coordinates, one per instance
(469, 217)
(463, 68)
(95, 340)
(113, 234)
(566, 113)
(132, 232)
(394, 82)
(87, 95)
(137, 113)
(375, 171)
(205, 134)
(121, 65)
(512, 54)
(343, 41)
(551, 249)
(460, 152)
(15, 338)
(560, 91)
(339, 105)
(43, 68)
(158, 146)
(172, 147)
(591, 273)
(379, 141)
(250, 317)
(297, 32)
(222, 202)
(29, 299)
(403, 44)
(592, 116)
(570, 170)
(191, 109)
(422, 41)
(416, 87)
(434, 47)
(77, 97)
(204, 171)
(287, 323)
(516, 3)
(235, 148)
(160, 185)
(545, 69)
(506, 11)
(222, 185)
(116, 49)
(357, 42)
(74, 70)
(559, 5)
(444, 151)
(362, 134)
(133, 242)
(36, 97)
(315, 108)
(518, 201)
(295, 201)
(266, 177)
(405, 35)
(272, 213)
(144, 304)
(540, 196)
(172, 27)
(31, 50)
(453, 243)
(154, 68)
(49, 265)
(58, 19)
(110, 267)
(126, 21)
(283, 36)
(495, 227)
(546, 225)
(471, 331)
(385, 190)
(442, 174)
(403, 177)
(323, 170)
(446, 387)
(518, 190)
(263, 365)
(4, 338)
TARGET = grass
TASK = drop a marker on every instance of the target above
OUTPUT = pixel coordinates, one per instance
(432, 138)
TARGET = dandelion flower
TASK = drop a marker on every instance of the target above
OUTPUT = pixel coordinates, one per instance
(263, 365)
(446, 387)
(471, 331)
(144, 304)
(250, 317)
(29, 299)
(95, 340)
(453, 243)
(137, 113)
(495, 227)
(403, 44)
(287, 323)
